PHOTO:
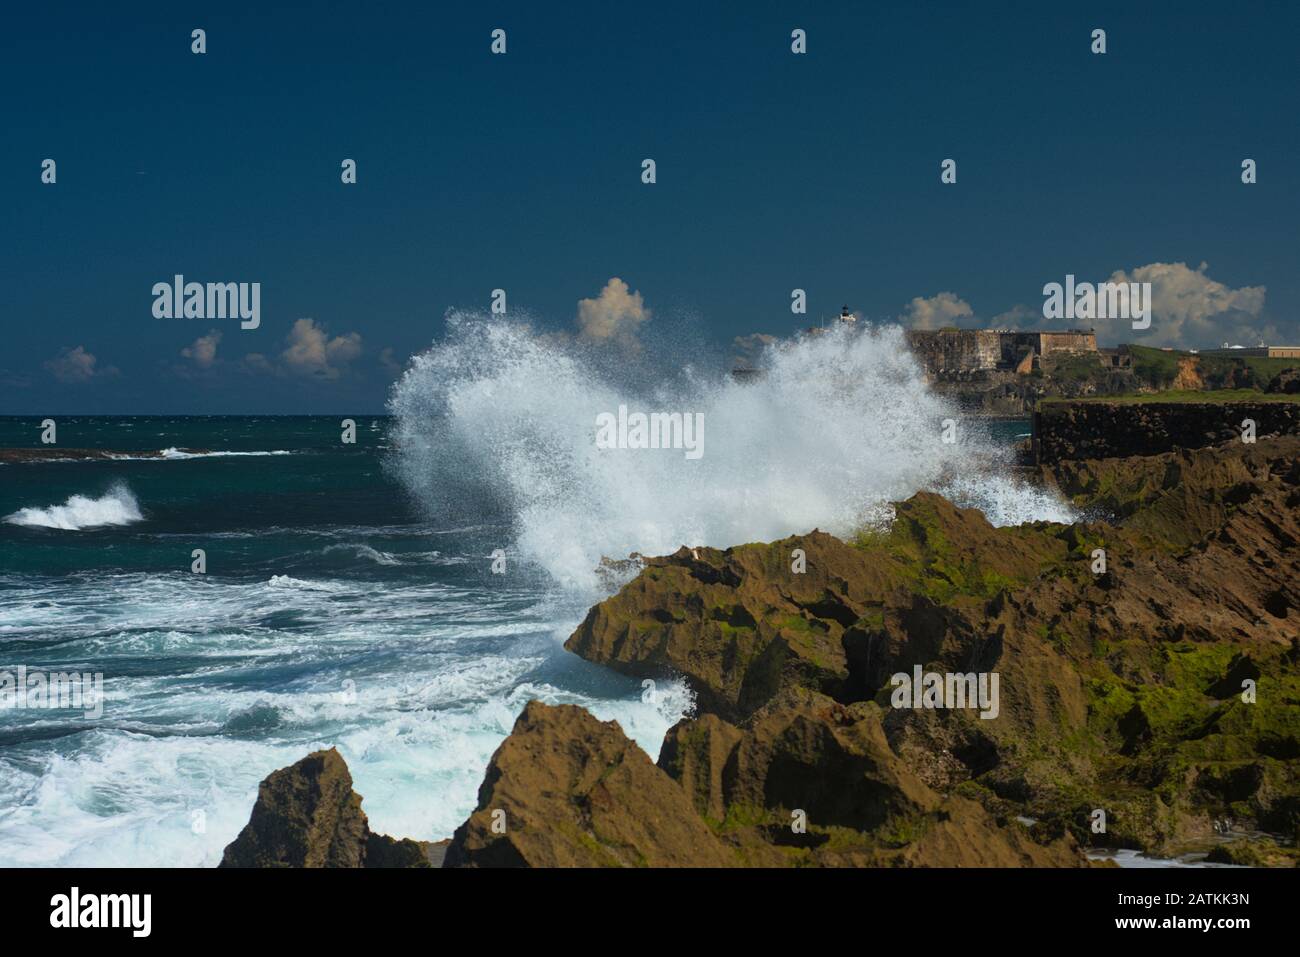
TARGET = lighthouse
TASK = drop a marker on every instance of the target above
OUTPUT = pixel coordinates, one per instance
(846, 316)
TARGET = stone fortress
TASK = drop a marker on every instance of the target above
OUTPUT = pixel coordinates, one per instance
(953, 354)
(1005, 372)
(959, 353)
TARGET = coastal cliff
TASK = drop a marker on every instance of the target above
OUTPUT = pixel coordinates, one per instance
(1147, 425)
(1148, 661)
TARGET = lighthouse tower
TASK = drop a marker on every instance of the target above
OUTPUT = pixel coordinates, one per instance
(846, 316)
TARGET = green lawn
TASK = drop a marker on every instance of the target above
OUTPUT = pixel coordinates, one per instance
(1159, 368)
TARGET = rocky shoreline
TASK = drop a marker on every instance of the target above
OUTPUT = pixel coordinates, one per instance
(1143, 426)
(1149, 670)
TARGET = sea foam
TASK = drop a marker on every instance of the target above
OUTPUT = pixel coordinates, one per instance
(116, 507)
(498, 417)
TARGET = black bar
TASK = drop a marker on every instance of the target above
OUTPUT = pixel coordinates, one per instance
(206, 907)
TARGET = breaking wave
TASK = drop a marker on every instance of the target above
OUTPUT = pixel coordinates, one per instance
(174, 454)
(498, 420)
(116, 507)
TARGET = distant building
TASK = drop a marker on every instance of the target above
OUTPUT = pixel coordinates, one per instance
(1117, 358)
(1255, 352)
(960, 355)
(948, 352)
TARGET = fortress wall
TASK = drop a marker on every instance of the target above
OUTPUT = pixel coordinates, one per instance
(1014, 346)
(1067, 342)
(976, 350)
(965, 350)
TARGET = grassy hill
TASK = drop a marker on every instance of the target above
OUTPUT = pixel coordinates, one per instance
(1159, 369)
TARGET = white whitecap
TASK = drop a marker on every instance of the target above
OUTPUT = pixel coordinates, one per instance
(116, 507)
(173, 454)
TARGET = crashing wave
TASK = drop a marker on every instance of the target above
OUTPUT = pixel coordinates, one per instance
(499, 418)
(116, 507)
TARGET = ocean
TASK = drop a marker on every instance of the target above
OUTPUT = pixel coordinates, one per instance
(349, 597)
(330, 614)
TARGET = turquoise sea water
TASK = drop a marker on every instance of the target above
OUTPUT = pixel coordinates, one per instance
(332, 613)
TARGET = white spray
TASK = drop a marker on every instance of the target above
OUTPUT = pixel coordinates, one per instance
(499, 420)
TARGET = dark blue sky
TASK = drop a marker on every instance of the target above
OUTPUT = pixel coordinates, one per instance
(522, 171)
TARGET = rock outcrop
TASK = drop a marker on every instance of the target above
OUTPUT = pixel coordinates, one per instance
(567, 790)
(1120, 685)
(807, 780)
(307, 815)
(1097, 428)
(741, 624)
(1254, 852)
(1286, 382)
(1148, 666)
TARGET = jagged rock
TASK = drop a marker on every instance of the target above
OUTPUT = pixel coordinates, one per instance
(1246, 852)
(1100, 428)
(572, 791)
(1286, 382)
(961, 834)
(1120, 689)
(307, 815)
(1240, 669)
(741, 624)
(1198, 596)
(385, 851)
(809, 752)
(697, 753)
(804, 754)
(735, 622)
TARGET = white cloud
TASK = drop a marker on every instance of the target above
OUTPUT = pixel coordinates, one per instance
(614, 315)
(76, 365)
(311, 351)
(1022, 317)
(1190, 309)
(256, 362)
(937, 311)
(203, 351)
